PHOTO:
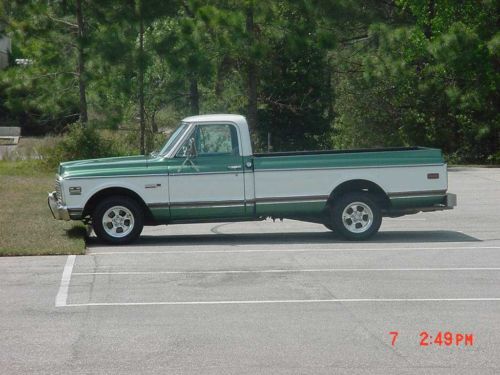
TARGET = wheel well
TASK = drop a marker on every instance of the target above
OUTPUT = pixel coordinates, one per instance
(360, 185)
(114, 191)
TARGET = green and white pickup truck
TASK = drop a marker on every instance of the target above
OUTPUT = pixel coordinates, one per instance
(206, 172)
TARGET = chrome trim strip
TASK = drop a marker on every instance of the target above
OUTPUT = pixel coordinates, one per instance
(203, 173)
(404, 194)
(117, 176)
(418, 196)
(240, 203)
(162, 174)
(294, 201)
(308, 198)
(349, 167)
(177, 207)
(203, 204)
(209, 203)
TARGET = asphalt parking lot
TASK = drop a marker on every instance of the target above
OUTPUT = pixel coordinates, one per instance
(268, 298)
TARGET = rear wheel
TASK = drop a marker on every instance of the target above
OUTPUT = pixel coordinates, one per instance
(356, 216)
(118, 220)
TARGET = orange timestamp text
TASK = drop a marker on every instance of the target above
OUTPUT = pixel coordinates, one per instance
(440, 338)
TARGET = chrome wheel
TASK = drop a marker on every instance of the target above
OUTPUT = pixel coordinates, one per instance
(118, 221)
(357, 217)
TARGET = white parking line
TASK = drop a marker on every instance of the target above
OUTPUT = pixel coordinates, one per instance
(289, 271)
(62, 294)
(347, 300)
(230, 251)
(396, 219)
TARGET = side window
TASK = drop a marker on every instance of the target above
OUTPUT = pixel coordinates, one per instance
(212, 140)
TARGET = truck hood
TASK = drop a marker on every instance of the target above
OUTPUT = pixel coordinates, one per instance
(107, 167)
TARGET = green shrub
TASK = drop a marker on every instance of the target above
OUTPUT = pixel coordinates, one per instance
(81, 142)
(494, 159)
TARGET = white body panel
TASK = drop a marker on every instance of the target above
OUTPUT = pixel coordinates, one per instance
(209, 187)
(316, 182)
(137, 184)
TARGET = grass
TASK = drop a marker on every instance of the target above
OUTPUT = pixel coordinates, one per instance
(26, 224)
(28, 148)
(27, 168)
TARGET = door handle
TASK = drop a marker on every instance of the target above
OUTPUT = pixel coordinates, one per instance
(234, 167)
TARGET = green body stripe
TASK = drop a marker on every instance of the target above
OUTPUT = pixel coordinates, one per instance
(290, 208)
(185, 213)
(145, 165)
(351, 159)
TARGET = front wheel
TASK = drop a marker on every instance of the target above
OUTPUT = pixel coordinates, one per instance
(356, 216)
(118, 220)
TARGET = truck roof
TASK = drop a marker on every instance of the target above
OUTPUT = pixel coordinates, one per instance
(238, 119)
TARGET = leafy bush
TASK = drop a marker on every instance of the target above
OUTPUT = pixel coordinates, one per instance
(81, 142)
(494, 159)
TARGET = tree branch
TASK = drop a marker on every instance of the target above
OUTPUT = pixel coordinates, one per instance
(67, 23)
(358, 38)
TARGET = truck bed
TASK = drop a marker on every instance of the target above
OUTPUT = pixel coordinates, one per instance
(289, 183)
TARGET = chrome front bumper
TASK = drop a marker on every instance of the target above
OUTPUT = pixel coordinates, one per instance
(59, 211)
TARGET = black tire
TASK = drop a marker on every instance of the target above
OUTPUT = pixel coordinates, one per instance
(129, 215)
(363, 222)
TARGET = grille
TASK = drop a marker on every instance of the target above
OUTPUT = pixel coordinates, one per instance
(58, 191)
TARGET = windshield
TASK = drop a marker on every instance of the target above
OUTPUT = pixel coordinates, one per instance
(176, 135)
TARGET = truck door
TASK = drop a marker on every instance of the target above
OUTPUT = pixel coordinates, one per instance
(206, 178)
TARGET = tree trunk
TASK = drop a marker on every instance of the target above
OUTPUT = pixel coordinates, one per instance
(194, 96)
(431, 13)
(142, 119)
(251, 74)
(219, 80)
(330, 93)
(222, 69)
(81, 63)
(154, 125)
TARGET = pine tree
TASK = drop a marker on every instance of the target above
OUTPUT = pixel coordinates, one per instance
(51, 38)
